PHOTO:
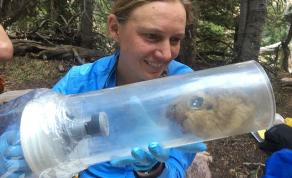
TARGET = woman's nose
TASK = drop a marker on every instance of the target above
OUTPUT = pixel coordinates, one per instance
(164, 51)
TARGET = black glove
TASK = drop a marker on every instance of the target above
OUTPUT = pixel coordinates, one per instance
(277, 137)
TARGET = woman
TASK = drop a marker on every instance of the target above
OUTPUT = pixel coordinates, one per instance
(6, 48)
(149, 34)
(6, 51)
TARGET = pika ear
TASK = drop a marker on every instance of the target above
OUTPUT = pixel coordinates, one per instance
(113, 27)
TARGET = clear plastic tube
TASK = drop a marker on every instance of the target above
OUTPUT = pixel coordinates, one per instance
(61, 135)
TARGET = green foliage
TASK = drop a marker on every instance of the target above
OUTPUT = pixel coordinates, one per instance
(101, 12)
(215, 41)
(60, 20)
(216, 28)
(209, 28)
(221, 12)
(276, 28)
(216, 24)
(50, 17)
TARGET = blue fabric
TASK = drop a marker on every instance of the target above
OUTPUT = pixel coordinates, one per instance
(279, 164)
(102, 74)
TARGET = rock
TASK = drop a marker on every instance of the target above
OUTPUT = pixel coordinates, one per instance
(200, 166)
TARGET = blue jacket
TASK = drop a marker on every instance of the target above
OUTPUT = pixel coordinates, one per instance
(102, 74)
(279, 164)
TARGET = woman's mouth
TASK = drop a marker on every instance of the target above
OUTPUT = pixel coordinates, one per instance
(154, 65)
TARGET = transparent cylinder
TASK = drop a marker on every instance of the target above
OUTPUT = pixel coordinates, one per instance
(62, 135)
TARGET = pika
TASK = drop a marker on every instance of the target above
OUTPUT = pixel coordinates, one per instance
(212, 113)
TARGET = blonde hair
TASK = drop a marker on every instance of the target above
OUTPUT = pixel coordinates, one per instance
(122, 8)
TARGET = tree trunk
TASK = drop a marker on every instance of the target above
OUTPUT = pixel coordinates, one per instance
(188, 52)
(54, 13)
(250, 26)
(287, 59)
(54, 10)
(286, 50)
(86, 23)
(14, 10)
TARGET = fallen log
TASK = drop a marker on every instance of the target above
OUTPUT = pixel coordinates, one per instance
(64, 52)
(286, 81)
(21, 47)
(270, 48)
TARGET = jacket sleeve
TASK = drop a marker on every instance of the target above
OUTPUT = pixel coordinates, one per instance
(79, 79)
(60, 86)
(175, 68)
(177, 164)
(67, 84)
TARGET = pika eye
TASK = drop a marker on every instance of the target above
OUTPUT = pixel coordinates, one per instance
(196, 102)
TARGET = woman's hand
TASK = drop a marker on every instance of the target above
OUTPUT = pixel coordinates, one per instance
(12, 163)
(151, 162)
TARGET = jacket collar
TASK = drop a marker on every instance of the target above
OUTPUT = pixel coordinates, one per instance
(111, 80)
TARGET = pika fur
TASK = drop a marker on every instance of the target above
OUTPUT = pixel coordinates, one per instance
(212, 113)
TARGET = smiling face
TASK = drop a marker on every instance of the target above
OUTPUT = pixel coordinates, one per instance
(148, 40)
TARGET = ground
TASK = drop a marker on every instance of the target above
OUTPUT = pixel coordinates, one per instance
(233, 157)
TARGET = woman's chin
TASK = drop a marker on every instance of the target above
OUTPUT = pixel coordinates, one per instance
(153, 76)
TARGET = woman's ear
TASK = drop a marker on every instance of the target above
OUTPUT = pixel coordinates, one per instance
(113, 27)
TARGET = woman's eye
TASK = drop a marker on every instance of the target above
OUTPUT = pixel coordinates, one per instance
(152, 37)
(175, 41)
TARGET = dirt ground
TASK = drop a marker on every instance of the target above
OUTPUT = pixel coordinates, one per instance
(233, 157)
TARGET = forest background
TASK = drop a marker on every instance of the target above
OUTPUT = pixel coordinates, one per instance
(50, 36)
